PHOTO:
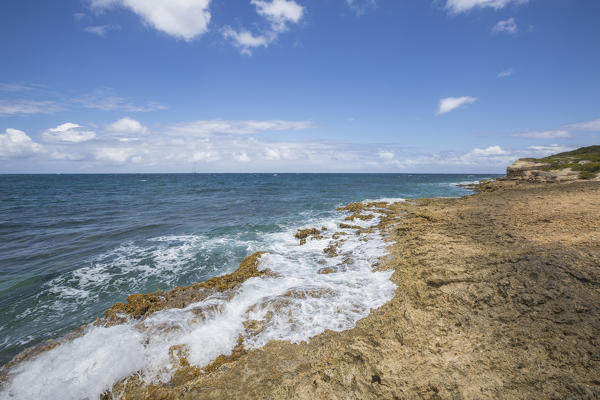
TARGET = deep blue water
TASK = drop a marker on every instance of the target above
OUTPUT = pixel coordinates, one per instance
(72, 245)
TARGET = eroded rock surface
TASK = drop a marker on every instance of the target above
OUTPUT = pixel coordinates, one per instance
(309, 233)
(143, 305)
(498, 297)
(580, 164)
(533, 171)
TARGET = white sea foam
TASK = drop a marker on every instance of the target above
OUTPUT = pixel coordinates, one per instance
(295, 304)
(79, 369)
(128, 266)
(466, 183)
(389, 200)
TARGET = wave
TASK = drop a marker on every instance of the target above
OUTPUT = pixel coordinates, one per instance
(475, 182)
(164, 261)
(306, 293)
(389, 200)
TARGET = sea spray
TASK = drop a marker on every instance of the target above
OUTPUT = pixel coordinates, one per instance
(73, 245)
(82, 368)
(293, 302)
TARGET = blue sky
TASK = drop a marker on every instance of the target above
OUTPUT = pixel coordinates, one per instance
(295, 85)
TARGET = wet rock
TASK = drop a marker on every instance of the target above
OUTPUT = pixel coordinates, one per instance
(358, 215)
(304, 234)
(331, 250)
(475, 315)
(337, 235)
(346, 226)
(327, 270)
(352, 207)
(139, 306)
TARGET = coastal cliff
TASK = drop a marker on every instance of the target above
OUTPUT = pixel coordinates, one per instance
(580, 164)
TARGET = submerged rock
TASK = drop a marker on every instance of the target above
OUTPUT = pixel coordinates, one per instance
(358, 215)
(352, 207)
(331, 250)
(140, 306)
(312, 233)
(497, 296)
(346, 226)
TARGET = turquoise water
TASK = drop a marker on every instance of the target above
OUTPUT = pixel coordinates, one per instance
(72, 245)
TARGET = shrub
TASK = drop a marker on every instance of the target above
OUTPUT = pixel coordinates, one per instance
(587, 175)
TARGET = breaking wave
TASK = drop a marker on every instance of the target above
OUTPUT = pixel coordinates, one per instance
(309, 292)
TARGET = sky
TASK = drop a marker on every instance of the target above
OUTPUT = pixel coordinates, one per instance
(402, 86)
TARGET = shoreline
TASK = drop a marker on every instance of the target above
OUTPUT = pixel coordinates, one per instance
(496, 296)
(136, 316)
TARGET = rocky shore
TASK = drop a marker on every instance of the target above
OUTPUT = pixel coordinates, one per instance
(498, 297)
(580, 164)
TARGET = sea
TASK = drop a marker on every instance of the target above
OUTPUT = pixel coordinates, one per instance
(73, 245)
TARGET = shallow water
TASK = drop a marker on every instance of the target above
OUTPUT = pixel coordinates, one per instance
(72, 245)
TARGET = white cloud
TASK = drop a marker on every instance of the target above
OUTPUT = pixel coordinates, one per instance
(451, 103)
(506, 73)
(586, 126)
(205, 156)
(14, 87)
(542, 151)
(189, 19)
(231, 146)
(117, 155)
(459, 6)
(478, 159)
(183, 19)
(505, 26)
(69, 133)
(63, 156)
(245, 40)
(28, 107)
(16, 143)
(104, 99)
(241, 157)
(360, 6)
(99, 30)
(545, 134)
(127, 126)
(80, 17)
(386, 155)
(278, 13)
(210, 127)
(272, 154)
(482, 159)
(492, 157)
(488, 151)
(107, 100)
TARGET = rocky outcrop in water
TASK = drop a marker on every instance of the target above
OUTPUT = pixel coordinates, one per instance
(497, 298)
(139, 306)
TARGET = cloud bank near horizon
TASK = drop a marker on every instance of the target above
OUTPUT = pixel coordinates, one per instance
(127, 145)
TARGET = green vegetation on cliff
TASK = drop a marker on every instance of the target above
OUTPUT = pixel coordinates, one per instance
(586, 160)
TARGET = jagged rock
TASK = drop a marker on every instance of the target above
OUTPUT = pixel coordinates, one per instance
(534, 171)
(331, 250)
(327, 270)
(143, 305)
(346, 226)
(310, 233)
(580, 164)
